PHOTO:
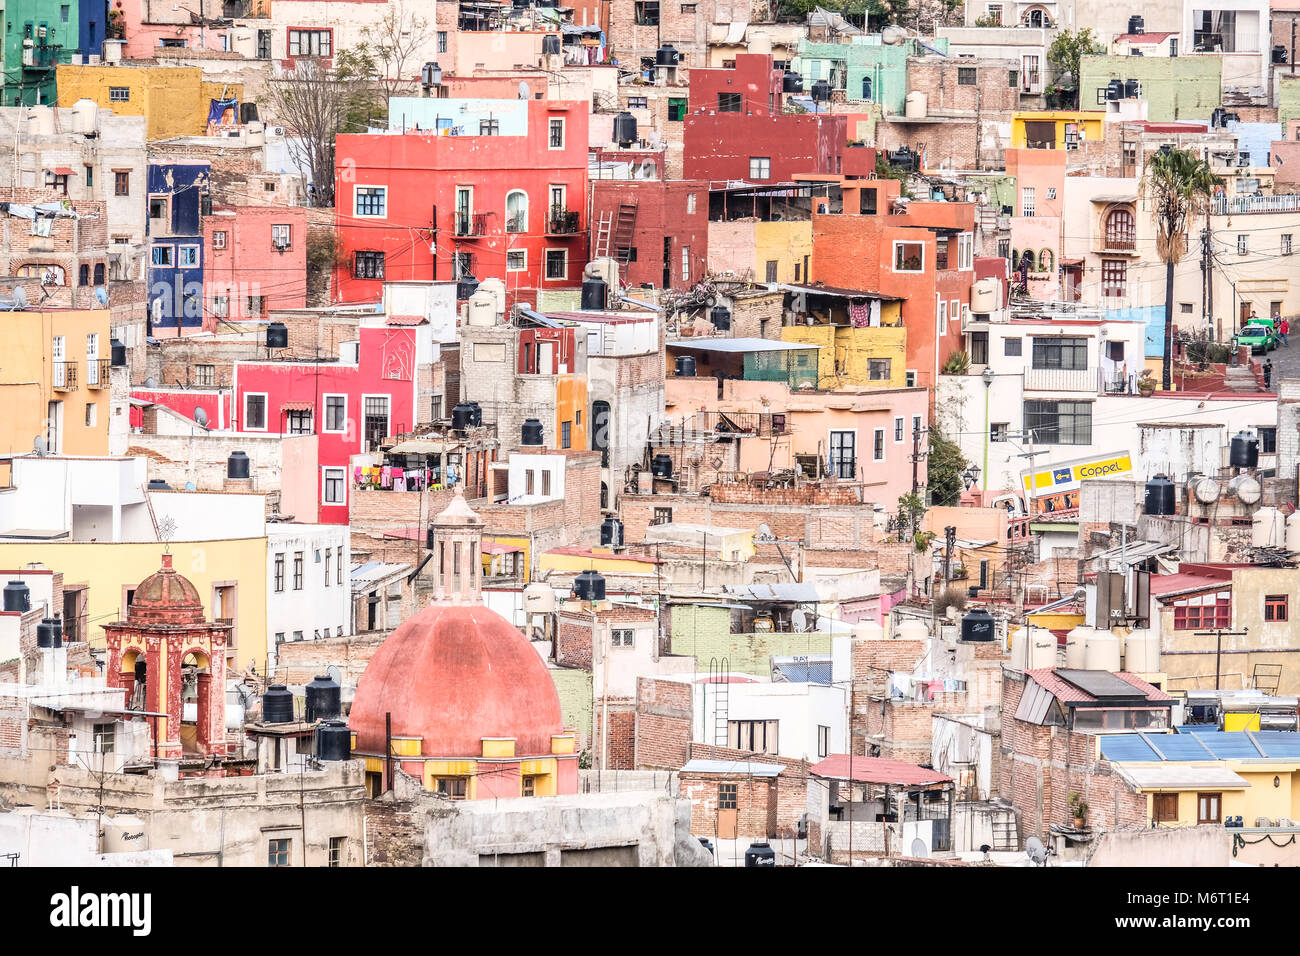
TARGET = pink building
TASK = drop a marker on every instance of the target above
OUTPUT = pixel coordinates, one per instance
(256, 262)
(1038, 216)
(151, 24)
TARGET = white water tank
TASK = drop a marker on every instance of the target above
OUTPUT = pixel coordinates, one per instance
(1076, 646)
(40, 121)
(916, 105)
(1019, 641)
(760, 43)
(1267, 528)
(539, 599)
(481, 310)
(1142, 651)
(242, 42)
(984, 295)
(84, 115)
(124, 833)
(1293, 531)
(1102, 652)
(912, 630)
(868, 630)
(497, 289)
(1040, 646)
(113, 51)
(603, 268)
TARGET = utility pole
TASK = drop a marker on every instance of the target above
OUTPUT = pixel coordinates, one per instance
(1219, 634)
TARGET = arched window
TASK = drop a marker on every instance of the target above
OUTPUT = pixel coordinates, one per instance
(1036, 18)
(1121, 230)
(866, 88)
(83, 274)
(1015, 258)
(99, 273)
(1046, 260)
(517, 211)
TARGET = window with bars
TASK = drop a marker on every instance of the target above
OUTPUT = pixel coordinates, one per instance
(727, 796)
(557, 264)
(1114, 278)
(277, 852)
(879, 370)
(1275, 607)
(299, 422)
(1059, 423)
(489, 127)
(556, 128)
(620, 638)
(729, 102)
(966, 76)
(205, 375)
(368, 265)
(1059, 352)
(662, 516)
(1203, 611)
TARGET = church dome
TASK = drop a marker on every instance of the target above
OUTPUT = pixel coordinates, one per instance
(452, 675)
(165, 597)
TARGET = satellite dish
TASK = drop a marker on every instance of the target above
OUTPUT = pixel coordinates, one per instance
(765, 533)
(799, 620)
(101, 295)
(191, 486)
(524, 92)
(40, 447)
(151, 382)
(334, 674)
(200, 416)
(1035, 850)
(20, 297)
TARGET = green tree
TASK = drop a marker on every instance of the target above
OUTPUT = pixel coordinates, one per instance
(1066, 53)
(1177, 184)
(944, 467)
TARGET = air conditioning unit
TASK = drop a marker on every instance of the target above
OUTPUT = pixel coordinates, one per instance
(278, 131)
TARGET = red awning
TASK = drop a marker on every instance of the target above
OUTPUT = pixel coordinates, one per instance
(62, 171)
(296, 407)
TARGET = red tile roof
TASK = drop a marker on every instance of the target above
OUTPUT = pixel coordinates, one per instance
(1142, 38)
(1068, 693)
(1174, 583)
(405, 319)
(877, 770)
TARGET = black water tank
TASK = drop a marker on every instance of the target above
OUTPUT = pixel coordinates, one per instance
(475, 413)
(1132, 89)
(466, 286)
(594, 290)
(666, 55)
(277, 336)
(58, 630)
(324, 699)
(821, 91)
(238, 465)
(45, 634)
(1279, 54)
(685, 366)
(333, 741)
(247, 113)
(531, 433)
(157, 484)
(117, 351)
(611, 532)
(977, 626)
(1159, 496)
(1244, 452)
(550, 44)
(760, 854)
(662, 466)
(462, 417)
(589, 586)
(429, 537)
(277, 705)
(18, 597)
(792, 83)
(625, 129)
(1115, 90)
(1136, 25)
(720, 316)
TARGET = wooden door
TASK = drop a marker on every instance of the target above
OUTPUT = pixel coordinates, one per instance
(726, 824)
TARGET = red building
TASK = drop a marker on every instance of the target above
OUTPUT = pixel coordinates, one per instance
(256, 262)
(658, 231)
(924, 254)
(736, 130)
(425, 204)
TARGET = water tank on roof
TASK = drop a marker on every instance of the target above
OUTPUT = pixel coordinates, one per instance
(531, 433)
(462, 417)
(821, 91)
(792, 83)
(984, 295)
(1136, 25)
(324, 699)
(118, 352)
(916, 105)
(1102, 652)
(497, 289)
(1159, 496)
(539, 599)
(1076, 646)
(912, 630)
(18, 597)
(466, 286)
(662, 466)
(868, 630)
(248, 113)
(625, 129)
(430, 75)
(157, 484)
(666, 55)
(58, 630)
(589, 586)
(1142, 651)
(1267, 529)
(594, 292)
(611, 532)
(1019, 642)
(429, 537)
(1246, 488)
(1041, 648)
(333, 741)
(1293, 532)
(84, 113)
(977, 625)
(481, 311)
(1244, 452)
(475, 414)
(550, 44)
(760, 854)
(45, 634)
(720, 316)
(1115, 90)
(237, 465)
(1132, 89)
(685, 366)
(277, 705)
(277, 336)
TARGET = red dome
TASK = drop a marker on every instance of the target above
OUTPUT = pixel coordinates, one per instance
(454, 674)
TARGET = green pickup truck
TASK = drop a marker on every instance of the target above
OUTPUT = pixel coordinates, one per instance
(1259, 335)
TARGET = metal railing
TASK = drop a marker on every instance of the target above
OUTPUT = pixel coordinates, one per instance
(97, 373)
(1112, 242)
(65, 375)
(561, 222)
(471, 224)
(1062, 379)
(1242, 205)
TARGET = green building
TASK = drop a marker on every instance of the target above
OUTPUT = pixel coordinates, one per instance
(866, 69)
(1175, 88)
(41, 34)
(704, 632)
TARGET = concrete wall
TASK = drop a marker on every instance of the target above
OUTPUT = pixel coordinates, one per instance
(1186, 846)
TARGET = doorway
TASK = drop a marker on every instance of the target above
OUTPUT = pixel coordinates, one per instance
(1040, 135)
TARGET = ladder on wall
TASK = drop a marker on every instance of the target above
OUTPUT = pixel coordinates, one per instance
(1006, 836)
(718, 680)
(603, 230)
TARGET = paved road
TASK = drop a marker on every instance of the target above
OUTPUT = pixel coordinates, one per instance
(1285, 359)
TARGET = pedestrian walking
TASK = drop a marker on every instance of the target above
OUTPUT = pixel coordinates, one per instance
(1283, 328)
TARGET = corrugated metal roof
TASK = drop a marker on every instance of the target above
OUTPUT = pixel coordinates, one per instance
(877, 770)
(1184, 778)
(782, 591)
(372, 571)
(733, 766)
(1134, 553)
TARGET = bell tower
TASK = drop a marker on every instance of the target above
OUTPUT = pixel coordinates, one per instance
(457, 554)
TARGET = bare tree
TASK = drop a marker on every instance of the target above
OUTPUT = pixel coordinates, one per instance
(397, 42)
(315, 104)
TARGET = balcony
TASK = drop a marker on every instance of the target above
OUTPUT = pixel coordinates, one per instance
(1031, 83)
(471, 225)
(97, 373)
(1116, 244)
(65, 376)
(1242, 205)
(1063, 380)
(562, 222)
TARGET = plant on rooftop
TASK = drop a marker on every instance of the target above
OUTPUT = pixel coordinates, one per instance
(1066, 54)
(958, 364)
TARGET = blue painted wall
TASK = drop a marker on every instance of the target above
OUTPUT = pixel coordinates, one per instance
(178, 286)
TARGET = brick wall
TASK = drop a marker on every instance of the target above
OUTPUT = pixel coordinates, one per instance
(297, 662)
(573, 640)
(757, 316)
(619, 748)
(791, 798)
(663, 723)
(755, 803)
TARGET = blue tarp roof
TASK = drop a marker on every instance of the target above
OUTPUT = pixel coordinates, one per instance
(1208, 744)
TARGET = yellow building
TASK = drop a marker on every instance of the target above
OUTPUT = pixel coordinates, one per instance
(770, 251)
(574, 560)
(231, 573)
(54, 381)
(175, 99)
(1056, 129)
(846, 354)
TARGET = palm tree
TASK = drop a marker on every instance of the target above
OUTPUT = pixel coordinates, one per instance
(1177, 184)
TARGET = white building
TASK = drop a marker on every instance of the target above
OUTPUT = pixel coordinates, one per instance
(308, 583)
(802, 721)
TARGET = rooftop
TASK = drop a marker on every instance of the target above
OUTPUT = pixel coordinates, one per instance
(877, 770)
(1215, 745)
